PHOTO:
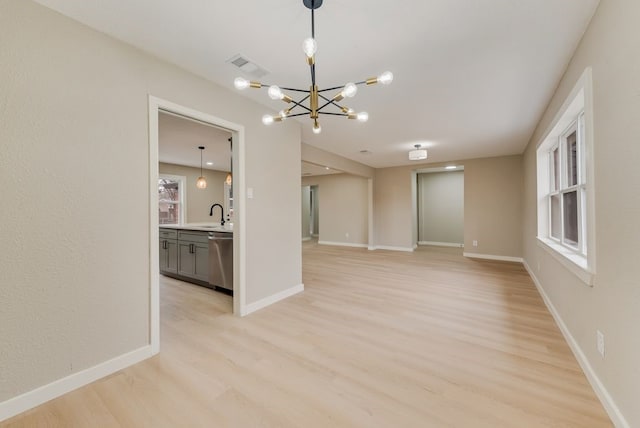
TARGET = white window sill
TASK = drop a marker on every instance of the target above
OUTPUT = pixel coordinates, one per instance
(575, 263)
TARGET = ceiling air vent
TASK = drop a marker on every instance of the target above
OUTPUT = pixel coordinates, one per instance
(247, 66)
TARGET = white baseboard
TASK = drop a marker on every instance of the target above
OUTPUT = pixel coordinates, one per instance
(492, 257)
(441, 244)
(267, 301)
(343, 244)
(308, 238)
(391, 248)
(33, 398)
(605, 398)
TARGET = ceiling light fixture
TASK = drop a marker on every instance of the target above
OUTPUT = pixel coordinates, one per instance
(310, 101)
(201, 182)
(417, 153)
(229, 179)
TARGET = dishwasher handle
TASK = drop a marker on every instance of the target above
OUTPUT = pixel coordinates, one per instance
(220, 238)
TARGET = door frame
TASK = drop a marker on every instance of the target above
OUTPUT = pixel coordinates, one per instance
(239, 236)
(415, 199)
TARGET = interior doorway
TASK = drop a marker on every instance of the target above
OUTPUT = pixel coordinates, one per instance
(156, 106)
(314, 209)
(310, 213)
(439, 204)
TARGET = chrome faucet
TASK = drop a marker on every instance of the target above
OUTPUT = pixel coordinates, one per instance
(221, 213)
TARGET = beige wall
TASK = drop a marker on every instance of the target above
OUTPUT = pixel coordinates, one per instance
(441, 207)
(611, 46)
(393, 207)
(343, 208)
(74, 162)
(492, 205)
(199, 201)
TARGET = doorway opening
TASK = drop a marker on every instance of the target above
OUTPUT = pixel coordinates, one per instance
(310, 213)
(314, 211)
(156, 108)
(439, 207)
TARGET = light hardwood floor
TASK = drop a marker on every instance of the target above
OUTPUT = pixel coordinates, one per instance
(378, 339)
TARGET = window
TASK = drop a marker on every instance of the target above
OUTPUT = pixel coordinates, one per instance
(565, 184)
(171, 206)
(567, 189)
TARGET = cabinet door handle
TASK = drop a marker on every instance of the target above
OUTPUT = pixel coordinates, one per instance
(191, 249)
(164, 244)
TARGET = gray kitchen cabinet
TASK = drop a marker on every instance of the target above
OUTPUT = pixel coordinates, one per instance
(193, 255)
(168, 251)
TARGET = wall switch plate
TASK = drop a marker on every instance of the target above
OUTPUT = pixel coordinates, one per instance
(346, 235)
(249, 192)
(600, 342)
(475, 243)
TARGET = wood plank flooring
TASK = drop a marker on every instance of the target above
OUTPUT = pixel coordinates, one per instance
(378, 339)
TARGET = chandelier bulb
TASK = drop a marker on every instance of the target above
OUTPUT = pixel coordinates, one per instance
(363, 116)
(316, 128)
(275, 93)
(350, 90)
(241, 83)
(309, 46)
(386, 78)
(267, 119)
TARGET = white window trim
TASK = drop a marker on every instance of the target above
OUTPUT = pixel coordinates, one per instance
(182, 203)
(580, 99)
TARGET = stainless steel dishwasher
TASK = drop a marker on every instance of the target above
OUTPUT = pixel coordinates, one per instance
(221, 260)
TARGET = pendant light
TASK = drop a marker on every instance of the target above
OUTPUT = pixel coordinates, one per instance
(201, 182)
(229, 178)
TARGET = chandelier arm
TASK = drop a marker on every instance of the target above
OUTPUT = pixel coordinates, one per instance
(331, 89)
(299, 104)
(298, 114)
(333, 114)
(296, 90)
(326, 104)
(328, 101)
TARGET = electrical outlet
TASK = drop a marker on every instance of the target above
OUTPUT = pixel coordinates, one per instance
(346, 235)
(475, 243)
(600, 342)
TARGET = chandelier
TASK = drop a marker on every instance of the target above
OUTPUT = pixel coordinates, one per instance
(311, 99)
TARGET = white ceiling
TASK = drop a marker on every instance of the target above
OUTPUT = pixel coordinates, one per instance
(179, 139)
(472, 78)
